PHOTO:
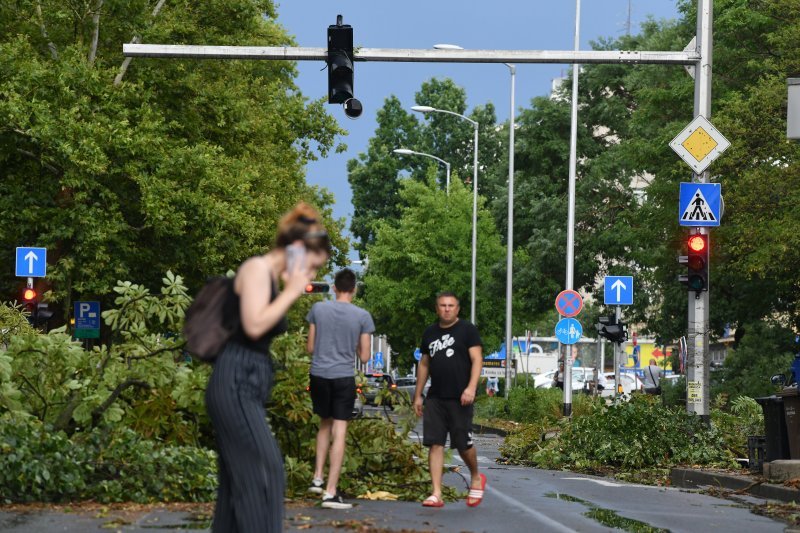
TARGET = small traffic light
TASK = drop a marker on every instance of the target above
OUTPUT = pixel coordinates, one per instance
(612, 330)
(340, 68)
(29, 296)
(696, 261)
(316, 287)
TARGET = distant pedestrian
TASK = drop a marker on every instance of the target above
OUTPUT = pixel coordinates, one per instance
(452, 355)
(337, 332)
(652, 378)
(250, 465)
(492, 386)
(558, 377)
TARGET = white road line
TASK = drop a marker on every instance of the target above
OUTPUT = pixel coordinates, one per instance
(542, 518)
(598, 481)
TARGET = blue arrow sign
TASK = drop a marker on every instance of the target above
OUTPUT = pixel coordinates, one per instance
(699, 204)
(31, 262)
(618, 290)
(568, 331)
(87, 315)
(417, 354)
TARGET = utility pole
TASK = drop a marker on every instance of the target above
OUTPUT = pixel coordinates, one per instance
(697, 382)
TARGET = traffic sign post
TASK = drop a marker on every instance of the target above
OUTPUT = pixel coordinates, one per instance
(618, 290)
(31, 262)
(700, 204)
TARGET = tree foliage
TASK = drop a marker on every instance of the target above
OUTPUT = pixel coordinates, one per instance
(124, 171)
(426, 251)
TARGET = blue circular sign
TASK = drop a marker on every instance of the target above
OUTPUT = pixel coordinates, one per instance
(568, 331)
(417, 354)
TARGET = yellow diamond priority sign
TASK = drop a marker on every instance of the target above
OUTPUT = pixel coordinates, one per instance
(699, 144)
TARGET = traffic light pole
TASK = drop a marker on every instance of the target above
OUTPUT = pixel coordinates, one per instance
(697, 382)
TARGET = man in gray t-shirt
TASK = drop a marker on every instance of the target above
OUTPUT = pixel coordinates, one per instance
(338, 331)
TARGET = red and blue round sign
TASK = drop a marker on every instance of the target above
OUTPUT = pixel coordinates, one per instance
(569, 303)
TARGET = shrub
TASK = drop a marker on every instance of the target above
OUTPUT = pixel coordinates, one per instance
(627, 435)
(39, 464)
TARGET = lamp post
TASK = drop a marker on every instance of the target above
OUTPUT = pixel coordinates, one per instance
(510, 224)
(428, 109)
(405, 151)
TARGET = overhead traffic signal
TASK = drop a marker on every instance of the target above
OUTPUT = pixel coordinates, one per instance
(340, 68)
(612, 330)
(317, 287)
(696, 262)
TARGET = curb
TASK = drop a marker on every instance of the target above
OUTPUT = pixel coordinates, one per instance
(480, 429)
(695, 479)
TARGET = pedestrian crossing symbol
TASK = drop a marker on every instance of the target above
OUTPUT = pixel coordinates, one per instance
(699, 204)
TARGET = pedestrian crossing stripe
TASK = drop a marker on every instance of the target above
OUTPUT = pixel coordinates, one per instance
(698, 209)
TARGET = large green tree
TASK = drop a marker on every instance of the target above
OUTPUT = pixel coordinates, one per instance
(426, 251)
(126, 169)
(376, 174)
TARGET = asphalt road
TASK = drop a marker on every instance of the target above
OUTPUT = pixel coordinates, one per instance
(518, 499)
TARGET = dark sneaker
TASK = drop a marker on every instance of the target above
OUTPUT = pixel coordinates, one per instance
(335, 502)
(316, 486)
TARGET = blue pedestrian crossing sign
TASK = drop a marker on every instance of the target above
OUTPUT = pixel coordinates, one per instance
(31, 262)
(700, 204)
(618, 290)
(568, 331)
(377, 360)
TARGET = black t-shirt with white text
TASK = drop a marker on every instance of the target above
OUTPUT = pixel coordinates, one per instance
(450, 365)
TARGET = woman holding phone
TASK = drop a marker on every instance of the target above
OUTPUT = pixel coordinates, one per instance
(251, 474)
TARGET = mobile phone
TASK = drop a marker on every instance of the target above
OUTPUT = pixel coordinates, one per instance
(295, 256)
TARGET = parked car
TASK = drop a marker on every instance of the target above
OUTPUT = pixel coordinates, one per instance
(409, 385)
(373, 386)
(630, 382)
(580, 374)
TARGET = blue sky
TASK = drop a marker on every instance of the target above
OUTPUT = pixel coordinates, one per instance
(500, 24)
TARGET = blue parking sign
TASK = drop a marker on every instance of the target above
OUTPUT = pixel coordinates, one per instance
(87, 315)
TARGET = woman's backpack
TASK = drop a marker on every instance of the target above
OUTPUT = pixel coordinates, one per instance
(207, 325)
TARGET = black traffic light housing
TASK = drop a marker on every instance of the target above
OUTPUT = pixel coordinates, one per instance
(340, 68)
(612, 330)
(696, 261)
(317, 287)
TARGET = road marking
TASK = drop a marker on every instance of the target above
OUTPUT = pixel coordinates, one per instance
(544, 519)
(481, 459)
(598, 481)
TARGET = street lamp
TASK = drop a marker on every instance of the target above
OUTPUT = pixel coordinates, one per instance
(428, 109)
(405, 151)
(510, 238)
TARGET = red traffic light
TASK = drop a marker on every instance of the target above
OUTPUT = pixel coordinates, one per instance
(696, 243)
(29, 295)
(317, 287)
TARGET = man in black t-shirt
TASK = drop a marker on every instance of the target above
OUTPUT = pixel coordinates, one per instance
(452, 355)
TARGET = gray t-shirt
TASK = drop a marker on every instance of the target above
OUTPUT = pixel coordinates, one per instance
(339, 326)
(652, 377)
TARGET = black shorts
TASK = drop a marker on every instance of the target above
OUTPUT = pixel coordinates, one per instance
(443, 416)
(333, 398)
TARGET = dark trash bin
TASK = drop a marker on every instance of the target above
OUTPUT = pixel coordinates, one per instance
(791, 410)
(775, 426)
